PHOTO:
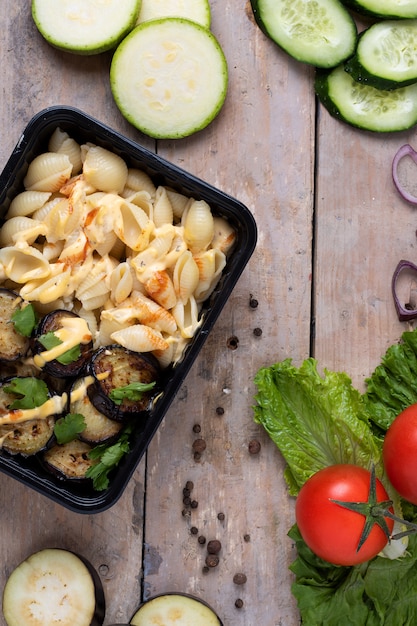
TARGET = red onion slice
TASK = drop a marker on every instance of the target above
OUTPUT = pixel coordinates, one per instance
(404, 314)
(405, 150)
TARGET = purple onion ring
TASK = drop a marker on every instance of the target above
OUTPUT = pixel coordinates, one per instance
(403, 313)
(405, 150)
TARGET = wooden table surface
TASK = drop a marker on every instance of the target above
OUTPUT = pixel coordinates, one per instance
(331, 231)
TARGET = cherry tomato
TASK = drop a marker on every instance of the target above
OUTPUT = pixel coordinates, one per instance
(331, 531)
(400, 453)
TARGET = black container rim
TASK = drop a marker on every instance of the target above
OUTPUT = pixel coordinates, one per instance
(66, 493)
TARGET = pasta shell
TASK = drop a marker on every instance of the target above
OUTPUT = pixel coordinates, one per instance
(224, 235)
(23, 264)
(108, 326)
(143, 200)
(161, 289)
(210, 265)
(48, 172)
(140, 338)
(105, 170)
(27, 202)
(198, 226)
(133, 226)
(47, 291)
(156, 250)
(138, 180)
(179, 202)
(186, 316)
(121, 283)
(152, 314)
(21, 229)
(162, 210)
(186, 276)
(61, 142)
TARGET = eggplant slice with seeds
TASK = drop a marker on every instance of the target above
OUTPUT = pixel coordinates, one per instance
(54, 586)
(114, 367)
(13, 345)
(69, 461)
(50, 323)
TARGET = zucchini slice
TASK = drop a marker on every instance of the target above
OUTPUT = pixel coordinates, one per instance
(169, 77)
(171, 609)
(364, 106)
(318, 32)
(54, 586)
(386, 55)
(84, 26)
(393, 9)
(196, 10)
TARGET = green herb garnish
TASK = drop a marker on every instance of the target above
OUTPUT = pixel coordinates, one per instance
(133, 391)
(67, 428)
(51, 340)
(32, 391)
(108, 458)
(25, 320)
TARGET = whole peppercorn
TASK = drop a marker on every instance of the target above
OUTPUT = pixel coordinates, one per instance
(220, 516)
(197, 428)
(257, 332)
(246, 538)
(214, 546)
(239, 579)
(201, 540)
(194, 530)
(239, 603)
(212, 560)
(194, 504)
(254, 446)
(199, 445)
(253, 303)
(189, 485)
(220, 410)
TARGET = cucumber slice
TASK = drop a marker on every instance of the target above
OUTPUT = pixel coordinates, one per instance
(174, 610)
(364, 106)
(169, 77)
(386, 55)
(393, 9)
(85, 26)
(318, 32)
(195, 10)
(54, 586)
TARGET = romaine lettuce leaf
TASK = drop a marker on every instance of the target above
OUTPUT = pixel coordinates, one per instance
(314, 420)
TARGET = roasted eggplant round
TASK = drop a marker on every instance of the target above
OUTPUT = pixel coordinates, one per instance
(22, 437)
(54, 586)
(98, 427)
(66, 364)
(114, 368)
(68, 461)
(13, 345)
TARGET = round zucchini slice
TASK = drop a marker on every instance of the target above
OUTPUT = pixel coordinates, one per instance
(171, 609)
(196, 10)
(318, 32)
(13, 345)
(169, 77)
(54, 586)
(84, 26)
(386, 55)
(364, 106)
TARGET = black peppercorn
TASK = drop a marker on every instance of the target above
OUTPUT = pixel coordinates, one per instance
(201, 540)
(212, 560)
(239, 603)
(189, 485)
(253, 303)
(194, 504)
(257, 332)
(214, 546)
(199, 445)
(197, 428)
(220, 516)
(194, 530)
(254, 446)
(239, 579)
(246, 537)
(220, 410)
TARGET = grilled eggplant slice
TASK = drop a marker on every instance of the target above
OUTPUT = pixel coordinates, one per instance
(115, 367)
(25, 438)
(56, 321)
(54, 586)
(99, 428)
(13, 345)
(69, 461)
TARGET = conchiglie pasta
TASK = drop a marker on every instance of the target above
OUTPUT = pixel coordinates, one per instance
(179, 202)
(48, 290)
(162, 210)
(160, 288)
(105, 170)
(211, 264)
(21, 229)
(140, 338)
(48, 172)
(27, 202)
(24, 264)
(224, 235)
(138, 180)
(61, 142)
(198, 226)
(132, 225)
(186, 276)
(121, 283)
(186, 316)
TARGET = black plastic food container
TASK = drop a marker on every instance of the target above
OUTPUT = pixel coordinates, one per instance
(81, 497)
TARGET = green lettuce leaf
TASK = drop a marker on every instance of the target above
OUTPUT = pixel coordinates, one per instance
(314, 420)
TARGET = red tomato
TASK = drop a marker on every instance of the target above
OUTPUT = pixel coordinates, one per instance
(400, 453)
(331, 531)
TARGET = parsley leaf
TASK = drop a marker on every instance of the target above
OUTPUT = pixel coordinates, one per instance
(32, 391)
(50, 340)
(24, 320)
(108, 458)
(67, 428)
(133, 391)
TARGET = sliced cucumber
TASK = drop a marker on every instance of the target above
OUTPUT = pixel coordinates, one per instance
(54, 586)
(319, 32)
(401, 9)
(169, 77)
(195, 10)
(175, 610)
(84, 26)
(386, 55)
(364, 106)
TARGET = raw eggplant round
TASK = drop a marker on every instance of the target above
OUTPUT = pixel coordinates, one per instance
(50, 323)
(175, 608)
(114, 367)
(13, 345)
(54, 586)
(25, 438)
(68, 461)
(98, 427)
